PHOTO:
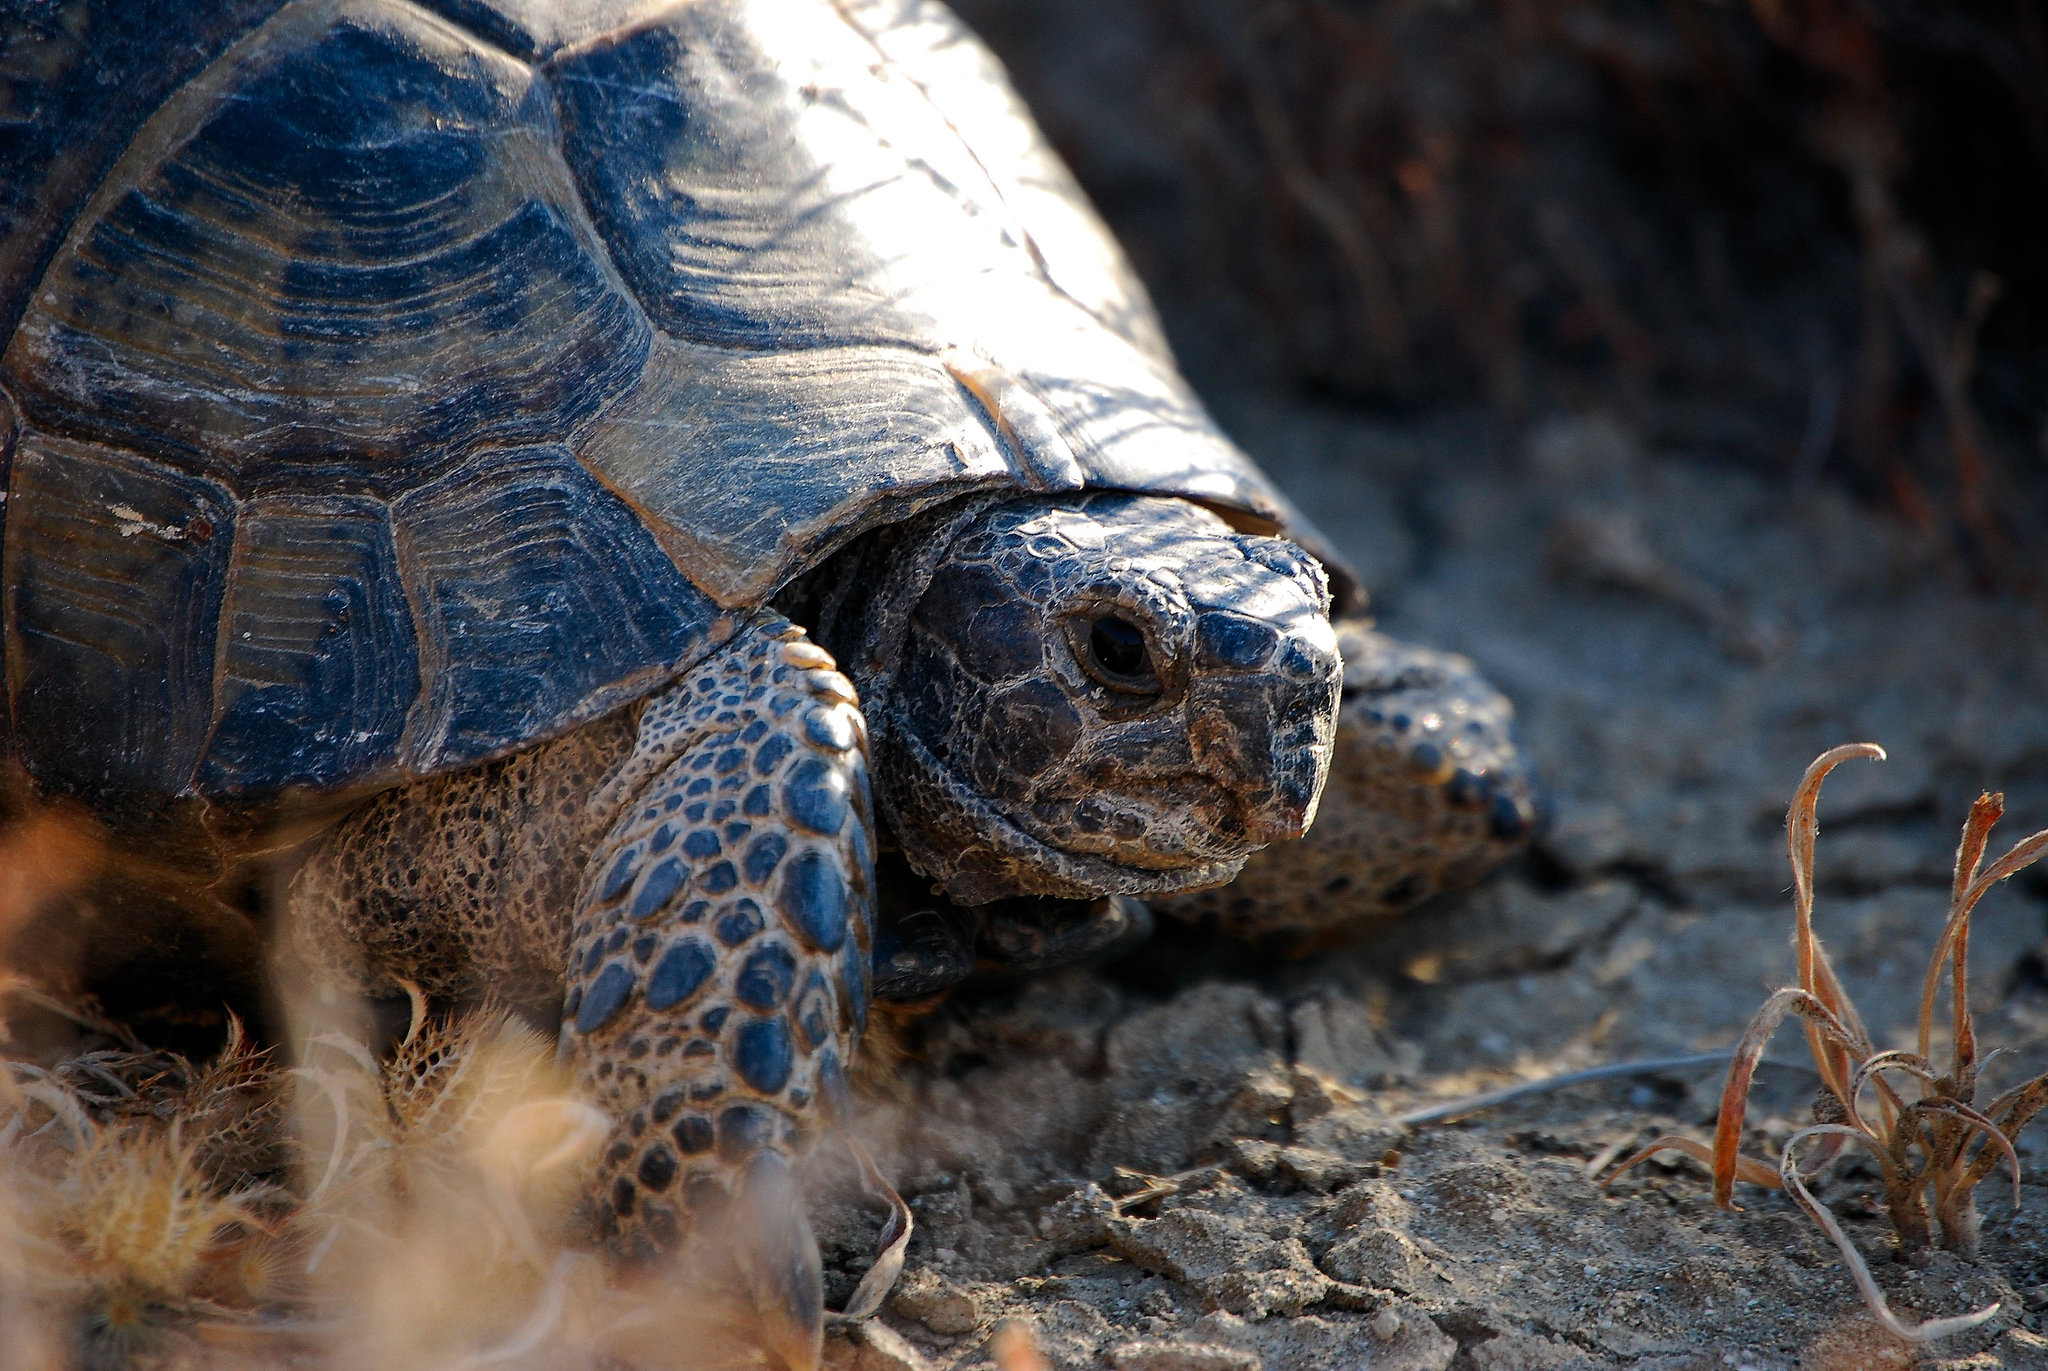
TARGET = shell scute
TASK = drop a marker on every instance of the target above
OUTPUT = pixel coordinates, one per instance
(336, 254)
(115, 688)
(546, 597)
(75, 93)
(319, 667)
(756, 463)
(763, 187)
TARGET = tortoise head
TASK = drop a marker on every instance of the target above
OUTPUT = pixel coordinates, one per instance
(1105, 694)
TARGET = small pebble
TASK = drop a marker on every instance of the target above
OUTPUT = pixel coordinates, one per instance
(1386, 1325)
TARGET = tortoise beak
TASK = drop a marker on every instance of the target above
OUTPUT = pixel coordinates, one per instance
(1267, 735)
(1290, 807)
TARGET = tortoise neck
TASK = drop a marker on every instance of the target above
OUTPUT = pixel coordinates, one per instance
(857, 604)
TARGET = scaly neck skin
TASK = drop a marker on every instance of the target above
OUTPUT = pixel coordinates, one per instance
(1090, 695)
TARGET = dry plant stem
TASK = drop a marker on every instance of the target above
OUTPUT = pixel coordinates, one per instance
(1746, 1168)
(1949, 356)
(1972, 1121)
(1969, 857)
(1873, 1298)
(1943, 1145)
(1913, 1064)
(1472, 1104)
(1386, 327)
(874, 1287)
(1816, 977)
(1159, 1187)
(1954, 1183)
(16, 987)
(1821, 1025)
(2019, 1107)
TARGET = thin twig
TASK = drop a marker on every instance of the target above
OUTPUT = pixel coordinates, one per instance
(1742, 1168)
(894, 1241)
(1648, 1066)
(1873, 1298)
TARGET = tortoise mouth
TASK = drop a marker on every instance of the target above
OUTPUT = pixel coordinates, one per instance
(956, 837)
(1151, 822)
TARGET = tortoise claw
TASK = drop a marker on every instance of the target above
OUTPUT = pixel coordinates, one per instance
(779, 1265)
(1037, 933)
(923, 942)
(744, 1290)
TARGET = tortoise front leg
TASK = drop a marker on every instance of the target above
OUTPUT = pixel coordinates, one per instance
(718, 964)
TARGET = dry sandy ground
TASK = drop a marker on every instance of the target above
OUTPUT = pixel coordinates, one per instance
(1681, 639)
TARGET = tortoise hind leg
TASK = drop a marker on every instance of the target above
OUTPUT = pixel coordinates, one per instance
(718, 966)
(461, 885)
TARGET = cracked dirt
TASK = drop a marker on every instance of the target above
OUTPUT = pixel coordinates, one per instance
(1681, 638)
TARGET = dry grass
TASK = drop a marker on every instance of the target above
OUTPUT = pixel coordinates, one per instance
(416, 1208)
(413, 1212)
(1796, 230)
(438, 1190)
(136, 1197)
(1932, 1139)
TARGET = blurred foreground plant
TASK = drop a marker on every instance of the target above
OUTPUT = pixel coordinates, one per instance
(1934, 1148)
(138, 1194)
(414, 1211)
(145, 1209)
(439, 1182)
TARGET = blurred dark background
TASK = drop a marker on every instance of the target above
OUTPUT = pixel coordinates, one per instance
(1801, 235)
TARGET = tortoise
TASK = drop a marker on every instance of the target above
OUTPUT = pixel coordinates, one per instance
(675, 516)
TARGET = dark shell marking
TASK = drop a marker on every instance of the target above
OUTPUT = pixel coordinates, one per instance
(703, 1029)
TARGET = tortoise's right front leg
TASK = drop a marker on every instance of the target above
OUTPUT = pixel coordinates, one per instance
(718, 964)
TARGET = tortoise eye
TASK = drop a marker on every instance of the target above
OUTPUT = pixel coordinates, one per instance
(1117, 656)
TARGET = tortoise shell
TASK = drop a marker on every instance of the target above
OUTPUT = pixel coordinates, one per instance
(389, 385)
